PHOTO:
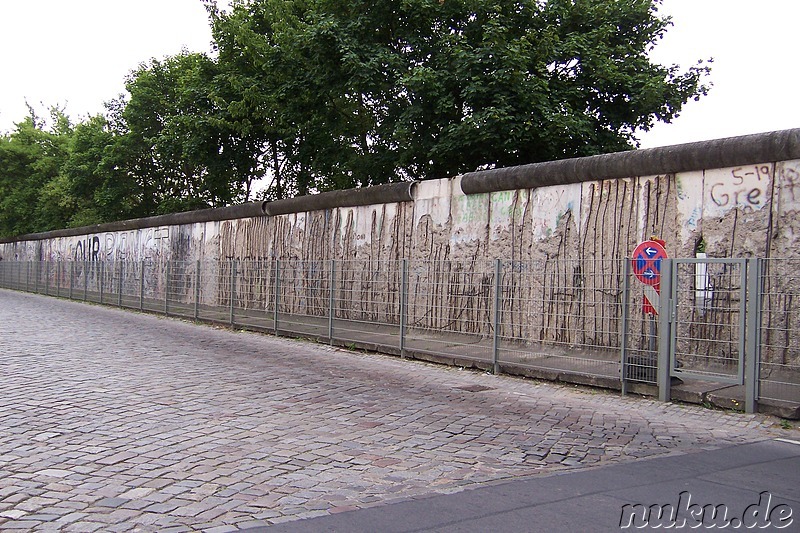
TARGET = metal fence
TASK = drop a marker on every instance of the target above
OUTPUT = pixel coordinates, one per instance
(549, 319)
(778, 334)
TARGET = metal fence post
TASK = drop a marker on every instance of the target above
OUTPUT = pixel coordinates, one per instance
(85, 280)
(102, 278)
(277, 297)
(752, 354)
(197, 291)
(47, 277)
(119, 284)
(666, 307)
(232, 288)
(498, 266)
(71, 277)
(403, 305)
(141, 285)
(166, 287)
(27, 276)
(626, 301)
(58, 279)
(331, 300)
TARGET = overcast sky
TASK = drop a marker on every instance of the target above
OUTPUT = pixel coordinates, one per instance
(76, 53)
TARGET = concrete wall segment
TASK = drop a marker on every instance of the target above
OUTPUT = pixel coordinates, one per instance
(387, 193)
(784, 234)
(719, 153)
(743, 210)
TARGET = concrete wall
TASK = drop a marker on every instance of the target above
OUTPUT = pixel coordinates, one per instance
(566, 240)
(746, 211)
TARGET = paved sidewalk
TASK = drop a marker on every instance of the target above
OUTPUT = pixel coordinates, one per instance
(761, 476)
(117, 421)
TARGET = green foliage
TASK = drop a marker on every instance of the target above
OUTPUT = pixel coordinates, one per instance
(314, 95)
(30, 158)
(362, 92)
(173, 147)
(94, 176)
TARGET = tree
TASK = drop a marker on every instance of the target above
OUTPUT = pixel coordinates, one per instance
(249, 87)
(31, 157)
(93, 176)
(175, 142)
(356, 92)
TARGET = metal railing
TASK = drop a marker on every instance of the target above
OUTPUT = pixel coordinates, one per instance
(546, 318)
(778, 333)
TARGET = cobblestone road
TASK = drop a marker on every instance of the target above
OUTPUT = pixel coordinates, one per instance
(117, 421)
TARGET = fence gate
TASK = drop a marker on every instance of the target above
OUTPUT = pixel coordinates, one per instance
(708, 315)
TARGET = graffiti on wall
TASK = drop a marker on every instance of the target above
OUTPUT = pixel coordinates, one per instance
(788, 188)
(690, 203)
(146, 244)
(550, 205)
(745, 188)
(87, 249)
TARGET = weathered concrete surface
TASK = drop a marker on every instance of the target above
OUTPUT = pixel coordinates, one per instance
(120, 422)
